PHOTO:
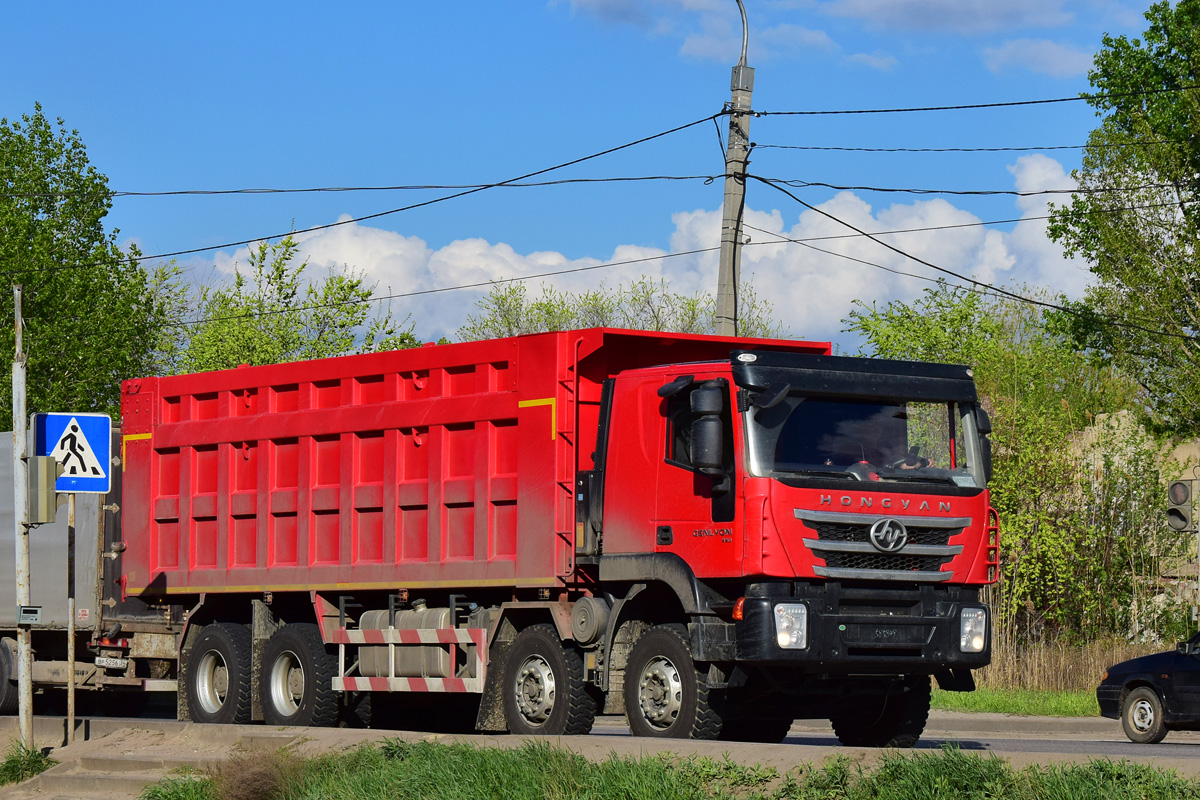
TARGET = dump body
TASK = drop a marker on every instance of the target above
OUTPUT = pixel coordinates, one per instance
(433, 467)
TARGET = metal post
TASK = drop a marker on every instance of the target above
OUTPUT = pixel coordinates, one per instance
(737, 156)
(21, 516)
(71, 618)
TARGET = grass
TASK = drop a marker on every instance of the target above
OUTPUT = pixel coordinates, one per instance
(21, 763)
(1024, 702)
(541, 771)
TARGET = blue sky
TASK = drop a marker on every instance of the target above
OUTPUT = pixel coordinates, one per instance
(222, 95)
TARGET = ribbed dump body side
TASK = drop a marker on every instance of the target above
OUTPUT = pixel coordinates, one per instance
(440, 466)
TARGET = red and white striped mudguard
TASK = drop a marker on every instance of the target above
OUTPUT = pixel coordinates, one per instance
(410, 637)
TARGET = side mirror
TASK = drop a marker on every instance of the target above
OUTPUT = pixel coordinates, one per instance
(707, 435)
(983, 420)
(1184, 648)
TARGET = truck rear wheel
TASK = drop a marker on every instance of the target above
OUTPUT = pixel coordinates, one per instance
(296, 678)
(218, 675)
(665, 694)
(544, 691)
(895, 720)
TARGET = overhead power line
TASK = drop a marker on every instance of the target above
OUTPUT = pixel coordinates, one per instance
(1030, 149)
(443, 289)
(409, 207)
(966, 278)
(800, 184)
(393, 188)
(969, 106)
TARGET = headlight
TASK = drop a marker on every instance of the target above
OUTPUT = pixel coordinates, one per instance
(791, 626)
(972, 629)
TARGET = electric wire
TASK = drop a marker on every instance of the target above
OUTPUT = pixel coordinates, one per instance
(441, 289)
(966, 278)
(801, 184)
(969, 106)
(377, 215)
(1029, 149)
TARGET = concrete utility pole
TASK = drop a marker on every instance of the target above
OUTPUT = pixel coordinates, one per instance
(737, 154)
(21, 517)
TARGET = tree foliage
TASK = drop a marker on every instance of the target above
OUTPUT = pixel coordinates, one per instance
(1135, 221)
(646, 304)
(91, 312)
(269, 314)
(1077, 483)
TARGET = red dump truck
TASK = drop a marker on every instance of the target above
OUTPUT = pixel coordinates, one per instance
(713, 536)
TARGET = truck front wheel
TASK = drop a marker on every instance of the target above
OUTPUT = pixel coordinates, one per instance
(296, 682)
(895, 720)
(218, 675)
(665, 695)
(544, 691)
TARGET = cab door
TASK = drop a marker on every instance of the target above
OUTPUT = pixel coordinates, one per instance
(696, 512)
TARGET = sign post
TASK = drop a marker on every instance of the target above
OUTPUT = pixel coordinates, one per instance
(82, 446)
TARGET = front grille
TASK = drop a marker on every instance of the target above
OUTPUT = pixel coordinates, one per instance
(832, 532)
(843, 541)
(885, 561)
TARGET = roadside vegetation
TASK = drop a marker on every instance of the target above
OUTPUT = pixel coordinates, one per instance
(539, 770)
(20, 764)
(1024, 702)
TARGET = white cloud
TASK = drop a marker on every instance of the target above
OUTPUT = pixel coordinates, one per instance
(1038, 55)
(960, 16)
(811, 290)
(720, 39)
(877, 60)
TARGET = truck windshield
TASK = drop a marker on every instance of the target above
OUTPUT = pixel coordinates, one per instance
(876, 439)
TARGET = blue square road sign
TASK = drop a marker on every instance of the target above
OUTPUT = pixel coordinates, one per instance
(82, 444)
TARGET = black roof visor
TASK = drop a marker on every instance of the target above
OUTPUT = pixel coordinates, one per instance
(839, 376)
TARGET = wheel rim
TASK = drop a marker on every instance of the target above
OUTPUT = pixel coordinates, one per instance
(287, 683)
(1141, 716)
(535, 690)
(212, 682)
(660, 693)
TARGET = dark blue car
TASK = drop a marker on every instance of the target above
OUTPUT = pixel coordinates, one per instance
(1154, 694)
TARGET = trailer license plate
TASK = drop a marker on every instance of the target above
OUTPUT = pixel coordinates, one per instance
(112, 663)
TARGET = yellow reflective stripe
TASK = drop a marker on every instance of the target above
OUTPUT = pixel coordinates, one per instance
(137, 437)
(545, 401)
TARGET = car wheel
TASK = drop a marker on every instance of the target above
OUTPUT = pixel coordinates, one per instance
(1142, 716)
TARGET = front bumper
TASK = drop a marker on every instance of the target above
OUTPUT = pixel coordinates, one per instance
(864, 630)
(1108, 695)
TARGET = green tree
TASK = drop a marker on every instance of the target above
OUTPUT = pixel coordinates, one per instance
(1077, 483)
(269, 314)
(91, 312)
(646, 304)
(1135, 221)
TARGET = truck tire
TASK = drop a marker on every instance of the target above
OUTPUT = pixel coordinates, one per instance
(9, 693)
(764, 731)
(296, 678)
(544, 690)
(1142, 716)
(665, 694)
(218, 675)
(892, 721)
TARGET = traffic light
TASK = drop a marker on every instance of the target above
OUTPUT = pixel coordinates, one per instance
(1179, 510)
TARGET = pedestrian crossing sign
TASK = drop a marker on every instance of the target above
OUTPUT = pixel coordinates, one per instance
(81, 444)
